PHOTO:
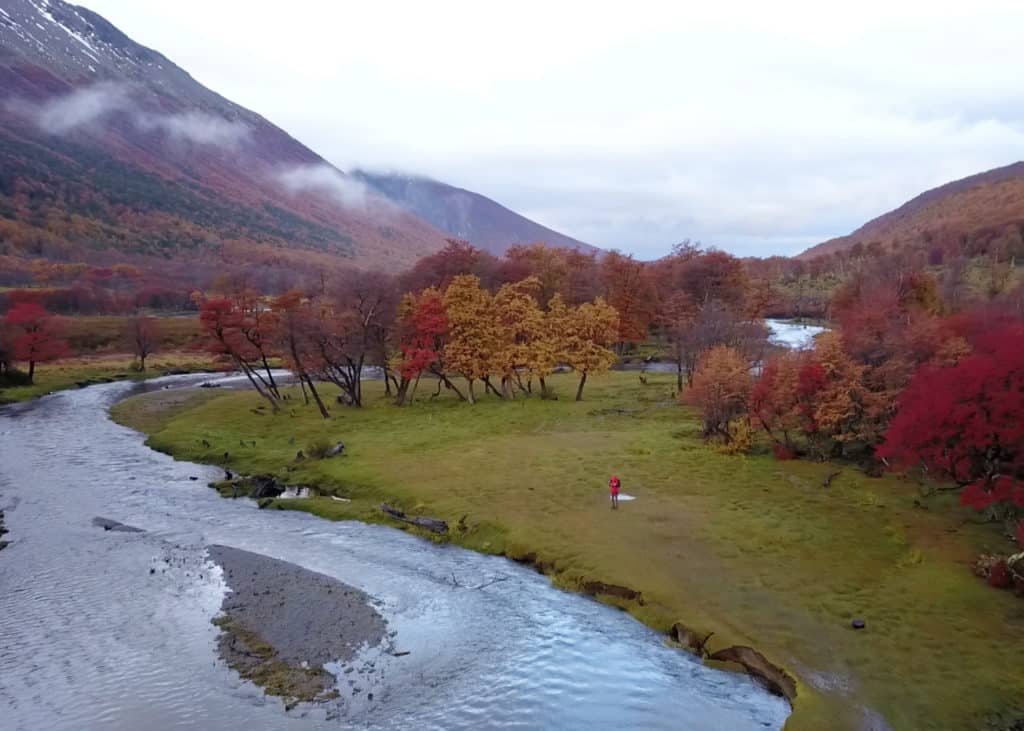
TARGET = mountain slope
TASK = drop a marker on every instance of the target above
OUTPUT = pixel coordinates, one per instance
(986, 201)
(107, 148)
(464, 214)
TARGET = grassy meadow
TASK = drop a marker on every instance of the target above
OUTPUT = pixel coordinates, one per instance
(107, 333)
(89, 369)
(756, 550)
(99, 341)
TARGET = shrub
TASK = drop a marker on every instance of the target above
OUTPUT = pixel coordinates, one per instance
(741, 438)
(318, 449)
(783, 453)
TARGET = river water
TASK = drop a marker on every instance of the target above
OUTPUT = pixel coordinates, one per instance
(112, 630)
(792, 334)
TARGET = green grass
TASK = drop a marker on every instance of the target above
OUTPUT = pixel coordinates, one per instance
(748, 547)
(87, 370)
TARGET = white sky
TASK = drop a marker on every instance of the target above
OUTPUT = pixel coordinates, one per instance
(760, 127)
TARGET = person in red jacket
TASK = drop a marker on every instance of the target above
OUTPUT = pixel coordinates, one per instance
(614, 484)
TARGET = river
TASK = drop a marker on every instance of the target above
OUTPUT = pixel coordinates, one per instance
(792, 334)
(112, 630)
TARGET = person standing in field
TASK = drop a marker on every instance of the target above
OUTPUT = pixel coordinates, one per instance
(614, 484)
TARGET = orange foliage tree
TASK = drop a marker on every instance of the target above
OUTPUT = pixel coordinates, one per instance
(630, 291)
(721, 390)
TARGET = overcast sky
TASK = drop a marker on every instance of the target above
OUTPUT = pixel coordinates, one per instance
(761, 128)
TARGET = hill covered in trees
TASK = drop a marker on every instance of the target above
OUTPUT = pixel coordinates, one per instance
(974, 212)
(111, 153)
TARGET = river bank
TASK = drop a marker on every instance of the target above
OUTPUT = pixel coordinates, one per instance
(757, 551)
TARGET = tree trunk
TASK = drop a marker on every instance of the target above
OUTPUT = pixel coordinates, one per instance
(270, 377)
(679, 376)
(470, 396)
(401, 391)
(579, 391)
(305, 396)
(357, 381)
(449, 384)
(316, 396)
(142, 363)
(31, 371)
(543, 387)
(255, 384)
(488, 386)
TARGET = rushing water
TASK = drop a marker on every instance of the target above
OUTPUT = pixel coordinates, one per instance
(792, 334)
(112, 630)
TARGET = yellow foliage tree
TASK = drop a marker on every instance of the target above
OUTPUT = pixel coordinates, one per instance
(844, 410)
(474, 336)
(583, 336)
(520, 327)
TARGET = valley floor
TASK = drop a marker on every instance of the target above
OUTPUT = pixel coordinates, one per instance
(755, 550)
(89, 369)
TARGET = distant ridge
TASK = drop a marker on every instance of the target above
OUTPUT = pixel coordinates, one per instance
(992, 199)
(464, 214)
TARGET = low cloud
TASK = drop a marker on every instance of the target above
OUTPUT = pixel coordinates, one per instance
(325, 180)
(198, 128)
(94, 105)
(79, 108)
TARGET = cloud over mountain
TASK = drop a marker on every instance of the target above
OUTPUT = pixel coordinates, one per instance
(325, 180)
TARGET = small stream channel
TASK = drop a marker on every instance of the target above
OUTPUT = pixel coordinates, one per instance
(112, 630)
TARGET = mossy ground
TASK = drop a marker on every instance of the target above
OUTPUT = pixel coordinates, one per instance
(254, 659)
(87, 370)
(751, 548)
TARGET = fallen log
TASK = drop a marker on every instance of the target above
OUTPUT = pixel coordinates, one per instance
(434, 525)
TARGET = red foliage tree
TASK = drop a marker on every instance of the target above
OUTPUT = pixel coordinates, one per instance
(457, 257)
(240, 332)
(964, 423)
(782, 400)
(34, 335)
(294, 322)
(423, 327)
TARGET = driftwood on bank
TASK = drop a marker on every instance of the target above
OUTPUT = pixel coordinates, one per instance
(434, 525)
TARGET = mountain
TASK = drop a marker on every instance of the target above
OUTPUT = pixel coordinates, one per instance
(464, 214)
(110, 151)
(986, 202)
